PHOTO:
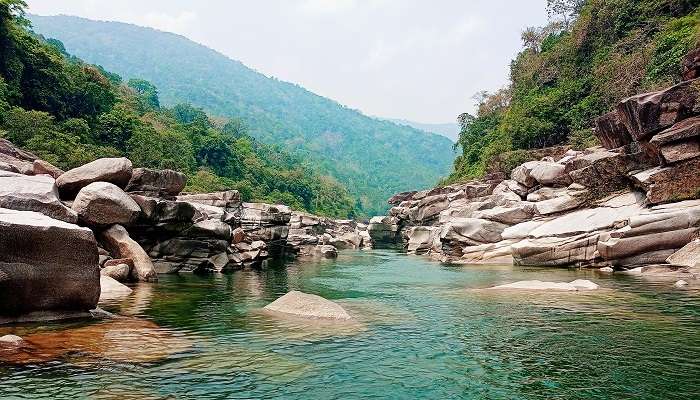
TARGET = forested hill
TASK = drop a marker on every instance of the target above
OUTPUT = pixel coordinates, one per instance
(591, 55)
(373, 158)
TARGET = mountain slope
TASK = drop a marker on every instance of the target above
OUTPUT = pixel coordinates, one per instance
(449, 130)
(372, 157)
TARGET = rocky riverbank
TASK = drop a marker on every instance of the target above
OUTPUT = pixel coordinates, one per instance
(63, 233)
(630, 204)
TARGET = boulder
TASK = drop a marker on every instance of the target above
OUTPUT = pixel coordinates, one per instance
(472, 231)
(102, 203)
(422, 239)
(520, 212)
(113, 170)
(48, 268)
(111, 289)
(648, 113)
(383, 229)
(156, 183)
(116, 239)
(573, 286)
(299, 304)
(11, 341)
(118, 272)
(564, 202)
(579, 250)
(210, 228)
(41, 167)
(33, 193)
(677, 182)
(688, 256)
(680, 142)
(680, 283)
(20, 161)
(326, 251)
(611, 132)
(238, 235)
(690, 65)
(550, 174)
(523, 174)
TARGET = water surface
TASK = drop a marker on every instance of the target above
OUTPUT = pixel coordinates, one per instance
(424, 330)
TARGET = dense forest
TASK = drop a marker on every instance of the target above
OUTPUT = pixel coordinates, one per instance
(373, 158)
(70, 112)
(592, 54)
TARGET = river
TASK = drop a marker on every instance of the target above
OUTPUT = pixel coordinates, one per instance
(424, 330)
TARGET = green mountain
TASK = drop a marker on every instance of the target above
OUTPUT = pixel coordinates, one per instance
(373, 158)
(449, 130)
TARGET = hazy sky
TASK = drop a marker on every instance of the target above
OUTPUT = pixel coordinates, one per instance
(414, 59)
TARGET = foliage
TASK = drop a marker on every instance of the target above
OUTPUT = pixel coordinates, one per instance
(70, 113)
(373, 158)
(592, 54)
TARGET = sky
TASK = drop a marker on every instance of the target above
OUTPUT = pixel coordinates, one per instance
(420, 60)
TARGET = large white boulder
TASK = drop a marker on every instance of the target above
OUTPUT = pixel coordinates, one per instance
(102, 204)
(310, 306)
(113, 170)
(46, 266)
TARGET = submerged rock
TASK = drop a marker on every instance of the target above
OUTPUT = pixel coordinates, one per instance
(578, 284)
(111, 289)
(11, 341)
(310, 306)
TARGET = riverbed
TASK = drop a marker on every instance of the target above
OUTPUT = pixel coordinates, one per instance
(423, 330)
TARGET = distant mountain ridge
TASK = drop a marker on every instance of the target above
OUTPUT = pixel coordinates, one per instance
(374, 158)
(449, 130)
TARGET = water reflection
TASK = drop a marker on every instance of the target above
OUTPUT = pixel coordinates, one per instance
(422, 330)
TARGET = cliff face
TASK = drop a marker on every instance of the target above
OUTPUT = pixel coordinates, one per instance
(62, 233)
(629, 203)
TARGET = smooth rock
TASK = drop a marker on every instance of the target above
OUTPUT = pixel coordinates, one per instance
(116, 239)
(113, 170)
(11, 341)
(33, 193)
(310, 306)
(680, 283)
(606, 270)
(102, 203)
(118, 272)
(687, 256)
(550, 174)
(46, 266)
(536, 285)
(111, 289)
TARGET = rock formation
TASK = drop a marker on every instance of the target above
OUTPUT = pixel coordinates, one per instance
(303, 305)
(629, 203)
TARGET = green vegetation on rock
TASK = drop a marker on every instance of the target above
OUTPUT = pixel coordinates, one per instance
(593, 54)
(69, 113)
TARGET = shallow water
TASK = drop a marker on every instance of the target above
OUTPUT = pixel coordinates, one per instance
(424, 330)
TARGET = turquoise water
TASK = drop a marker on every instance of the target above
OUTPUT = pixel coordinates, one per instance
(424, 330)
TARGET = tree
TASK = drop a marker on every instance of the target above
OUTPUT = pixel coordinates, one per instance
(146, 91)
(565, 11)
